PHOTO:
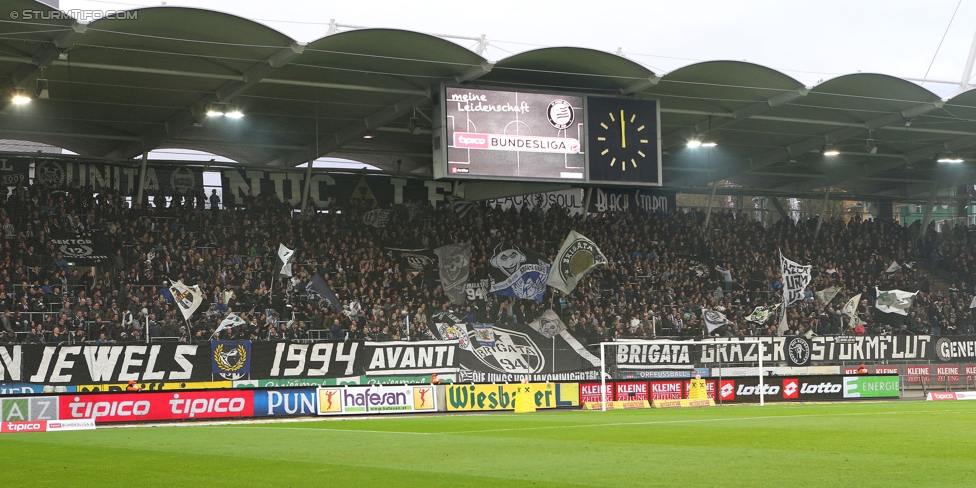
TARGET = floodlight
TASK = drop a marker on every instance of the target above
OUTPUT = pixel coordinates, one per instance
(949, 158)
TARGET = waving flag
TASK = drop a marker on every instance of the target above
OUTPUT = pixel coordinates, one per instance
(187, 298)
(577, 257)
(232, 320)
(285, 256)
(453, 261)
(894, 301)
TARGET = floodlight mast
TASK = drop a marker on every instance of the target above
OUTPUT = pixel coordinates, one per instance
(603, 363)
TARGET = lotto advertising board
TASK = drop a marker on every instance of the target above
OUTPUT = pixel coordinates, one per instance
(807, 388)
(361, 400)
(157, 406)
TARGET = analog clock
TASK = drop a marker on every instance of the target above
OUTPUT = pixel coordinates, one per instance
(623, 140)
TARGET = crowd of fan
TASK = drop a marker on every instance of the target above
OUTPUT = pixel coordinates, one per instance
(662, 271)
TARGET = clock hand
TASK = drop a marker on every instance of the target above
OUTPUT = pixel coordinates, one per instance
(623, 133)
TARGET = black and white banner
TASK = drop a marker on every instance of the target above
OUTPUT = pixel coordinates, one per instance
(425, 357)
(795, 351)
(519, 351)
(796, 277)
(414, 259)
(453, 261)
(83, 252)
(628, 199)
(518, 272)
(99, 176)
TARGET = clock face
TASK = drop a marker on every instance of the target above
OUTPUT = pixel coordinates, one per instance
(623, 140)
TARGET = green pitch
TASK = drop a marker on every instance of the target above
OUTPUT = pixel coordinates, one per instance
(860, 444)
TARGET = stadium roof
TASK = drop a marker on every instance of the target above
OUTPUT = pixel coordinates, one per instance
(122, 86)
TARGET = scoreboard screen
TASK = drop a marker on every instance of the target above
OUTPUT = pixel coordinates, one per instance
(490, 134)
(514, 135)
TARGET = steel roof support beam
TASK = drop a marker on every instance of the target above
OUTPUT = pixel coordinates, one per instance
(681, 136)
(474, 72)
(639, 85)
(864, 171)
(354, 132)
(815, 143)
(27, 73)
(185, 118)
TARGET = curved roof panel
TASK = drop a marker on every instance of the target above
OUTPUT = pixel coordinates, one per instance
(570, 68)
(134, 83)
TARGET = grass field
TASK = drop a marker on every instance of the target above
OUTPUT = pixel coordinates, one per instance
(857, 444)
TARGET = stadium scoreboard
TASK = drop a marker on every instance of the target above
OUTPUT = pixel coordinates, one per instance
(547, 137)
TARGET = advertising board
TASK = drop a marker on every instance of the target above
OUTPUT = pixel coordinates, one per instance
(155, 406)
(808, 388)
(360, 400)
(500, 397)
(285, 403)
(27, 426)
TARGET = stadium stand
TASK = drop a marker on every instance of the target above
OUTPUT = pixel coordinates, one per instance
(661, 271)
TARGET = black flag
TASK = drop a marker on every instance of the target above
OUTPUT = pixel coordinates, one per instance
(318, 286)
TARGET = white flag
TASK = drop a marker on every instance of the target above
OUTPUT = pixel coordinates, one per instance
(713, 319)
(827, 294)
(457, 331)
(285, 256)
(850, 308)
(760, 315)
(972, 304)
(577, 257)
(893, 268)
(796, 277)
(549, 325)
(187, 298)
(232, 320)
(894, 301)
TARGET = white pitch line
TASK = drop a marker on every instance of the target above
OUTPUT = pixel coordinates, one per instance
(250, 423)
(689, 421)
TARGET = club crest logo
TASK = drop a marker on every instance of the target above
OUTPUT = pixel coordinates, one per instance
(560, 114)
(513, 352)
(231, 360)
(799, 351)
(49, 173)
(182, 180)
